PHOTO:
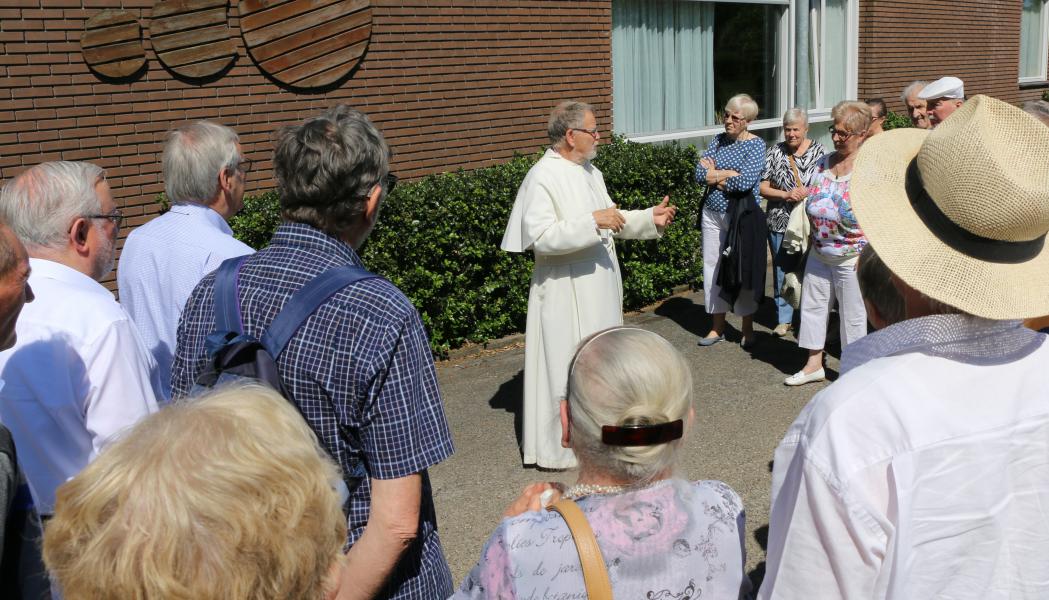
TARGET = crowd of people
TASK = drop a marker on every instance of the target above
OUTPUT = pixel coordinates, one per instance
(157, 469)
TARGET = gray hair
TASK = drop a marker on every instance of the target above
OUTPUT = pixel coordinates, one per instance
(855, 115)
(1039, 109)
(327, 167)
(876, 286)
(796, 115)
(194, 155)
(569, 114)
(913, 89)
(744, 104)
(40, 203)
(627, 376)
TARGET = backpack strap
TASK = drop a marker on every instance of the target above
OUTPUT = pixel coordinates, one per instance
(305, 302)
(227, 295)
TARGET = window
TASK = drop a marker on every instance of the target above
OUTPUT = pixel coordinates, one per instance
(1034, 41)
(676, 62)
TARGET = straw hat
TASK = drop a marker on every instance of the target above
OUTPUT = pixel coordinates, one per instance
(961, 213)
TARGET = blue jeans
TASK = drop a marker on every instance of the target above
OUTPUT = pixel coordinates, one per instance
(784, 311)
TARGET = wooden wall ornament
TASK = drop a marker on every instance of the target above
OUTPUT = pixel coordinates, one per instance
(306, 43)
(112, 44)
(191, 37)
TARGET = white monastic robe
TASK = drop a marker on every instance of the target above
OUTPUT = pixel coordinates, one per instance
(576, 287)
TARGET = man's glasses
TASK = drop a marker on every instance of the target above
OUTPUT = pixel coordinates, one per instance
(244, 166)
(116, 216)
(390, 182)
(592, 132)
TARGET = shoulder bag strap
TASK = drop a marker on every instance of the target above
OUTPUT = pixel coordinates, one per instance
(598, 587)
(304, 302)
(227, 295)
(794, 167)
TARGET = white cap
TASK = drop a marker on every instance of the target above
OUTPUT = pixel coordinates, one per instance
(944, 87)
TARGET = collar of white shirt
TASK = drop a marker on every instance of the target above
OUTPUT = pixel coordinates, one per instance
(41, 268)
(958, 337)
(204, 214)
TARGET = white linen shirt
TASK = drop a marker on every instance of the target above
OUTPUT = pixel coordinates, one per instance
(162, 261)
(923, 472)
(78, 374)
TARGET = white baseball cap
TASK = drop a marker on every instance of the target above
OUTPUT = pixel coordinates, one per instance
(944, 87)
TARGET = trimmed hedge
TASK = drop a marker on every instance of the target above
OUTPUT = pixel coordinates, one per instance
(438, 239)
(896, 121)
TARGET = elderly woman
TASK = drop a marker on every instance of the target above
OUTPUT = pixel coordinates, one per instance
(225, 497)
(629, 403)
(836, 243)
(731, 170)
(789, 169)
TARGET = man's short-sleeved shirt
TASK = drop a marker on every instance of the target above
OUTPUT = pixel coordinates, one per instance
(360, 362)
(162, 261)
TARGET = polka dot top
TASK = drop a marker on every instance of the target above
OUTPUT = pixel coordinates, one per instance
(747, 157)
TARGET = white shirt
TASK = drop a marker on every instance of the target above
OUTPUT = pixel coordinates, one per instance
(78, 374)
(923, 472)
(162, 261)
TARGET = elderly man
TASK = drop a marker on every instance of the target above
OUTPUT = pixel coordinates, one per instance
(78, 373)
(359, 369)
(942, 98)
(916, 107)
(163, 260)
(564, 214)
(924, 470)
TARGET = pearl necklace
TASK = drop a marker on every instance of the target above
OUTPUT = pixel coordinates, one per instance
(580, 490)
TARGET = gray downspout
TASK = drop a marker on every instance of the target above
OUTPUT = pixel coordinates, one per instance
(801, 54)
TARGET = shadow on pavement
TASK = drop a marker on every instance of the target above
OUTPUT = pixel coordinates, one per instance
(508, 397)
(757, 574)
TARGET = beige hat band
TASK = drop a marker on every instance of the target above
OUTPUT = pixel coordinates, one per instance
(959, 238)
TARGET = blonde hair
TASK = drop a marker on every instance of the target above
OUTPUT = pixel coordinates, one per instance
(627, 376)
(854, 115)
(744, 104)
(228, 496)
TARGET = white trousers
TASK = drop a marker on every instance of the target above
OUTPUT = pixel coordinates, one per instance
(823, 285)
(714, 226)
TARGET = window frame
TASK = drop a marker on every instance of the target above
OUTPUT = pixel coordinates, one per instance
(1043, 60)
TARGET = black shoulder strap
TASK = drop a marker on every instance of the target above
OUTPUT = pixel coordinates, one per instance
(304, 302)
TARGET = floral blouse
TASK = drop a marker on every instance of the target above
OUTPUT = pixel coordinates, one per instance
(779, 173)
(746, 157)
(835, 232)
(673, 539)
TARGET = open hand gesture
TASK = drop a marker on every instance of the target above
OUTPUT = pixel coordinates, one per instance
(663, 213)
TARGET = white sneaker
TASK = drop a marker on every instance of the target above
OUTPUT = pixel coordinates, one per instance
(800, 378)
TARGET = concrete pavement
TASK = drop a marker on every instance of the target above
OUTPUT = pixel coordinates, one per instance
(742, 410)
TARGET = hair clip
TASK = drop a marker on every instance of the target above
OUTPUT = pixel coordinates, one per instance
(641, 435)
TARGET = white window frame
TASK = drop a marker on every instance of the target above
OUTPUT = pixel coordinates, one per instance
(786, 61)
(1043, 60)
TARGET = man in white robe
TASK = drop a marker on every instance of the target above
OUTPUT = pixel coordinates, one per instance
(563, 213)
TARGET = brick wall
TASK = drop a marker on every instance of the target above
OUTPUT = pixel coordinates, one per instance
(904, 40)
(452, 83)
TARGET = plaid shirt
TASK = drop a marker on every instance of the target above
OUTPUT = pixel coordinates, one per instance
(360, 361)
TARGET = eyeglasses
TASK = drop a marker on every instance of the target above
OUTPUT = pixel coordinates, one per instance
(116, 216)
(731, 117)
(592, 132)
(390, 182)
(837, 133)
(244, 165)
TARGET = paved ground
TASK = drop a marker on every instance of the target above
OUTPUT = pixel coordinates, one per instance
(742, 408)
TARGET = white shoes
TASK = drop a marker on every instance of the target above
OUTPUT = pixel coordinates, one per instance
(800, 378)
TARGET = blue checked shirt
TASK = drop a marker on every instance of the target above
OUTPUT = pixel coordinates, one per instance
(361, 361)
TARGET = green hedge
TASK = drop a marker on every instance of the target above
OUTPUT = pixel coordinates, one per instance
(896, 121)
(438, 239)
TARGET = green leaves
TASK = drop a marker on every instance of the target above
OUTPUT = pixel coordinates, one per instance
(438, 239)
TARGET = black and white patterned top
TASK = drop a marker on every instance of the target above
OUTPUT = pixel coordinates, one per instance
(780, 175)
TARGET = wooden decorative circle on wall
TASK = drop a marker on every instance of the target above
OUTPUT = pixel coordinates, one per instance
(191, 37)
(112, 43)
(306, 43)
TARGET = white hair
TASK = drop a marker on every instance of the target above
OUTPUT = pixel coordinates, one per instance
(743, 104)
(569, 114)
(194, 155)
(627, 376)
(40, 203)
(912, 90)
(796, 116)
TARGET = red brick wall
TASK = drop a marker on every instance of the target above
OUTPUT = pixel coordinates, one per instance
(904, 40)
(452, 83)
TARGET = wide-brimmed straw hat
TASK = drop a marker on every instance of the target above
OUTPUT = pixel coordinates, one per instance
(961, 213)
